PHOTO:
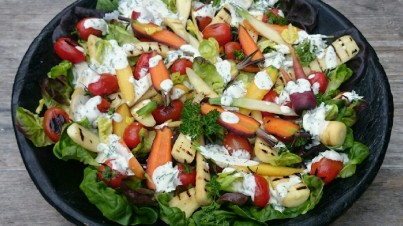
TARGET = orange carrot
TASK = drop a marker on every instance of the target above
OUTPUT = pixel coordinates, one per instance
(248, 44)
(279, 127)
(246, 126)
(134, 164)
(158, 34)
(160, 153)
(159, 73)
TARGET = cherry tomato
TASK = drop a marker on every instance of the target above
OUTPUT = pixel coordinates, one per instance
(320, 79)
(270, 97)
(67, 49)
(104, 105)
(142, 67)
(110, 177)
(203, 22)
(180, 66)
(135, 15)
(233, 142)
(53, 122)
(326, 169)
(220, 31)
(131, 136)
(187, 175)
(262, 194)
(84, 33)
(230, 48)
(173, 111)
(106, 85)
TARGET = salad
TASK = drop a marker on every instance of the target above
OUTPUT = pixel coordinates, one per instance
(227, 112)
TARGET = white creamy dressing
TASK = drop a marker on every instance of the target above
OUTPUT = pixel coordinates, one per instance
(226, 101)
(222, 158)
(185, 51)
(229, 117)
(165, 178)
(241, 154)
(317, 42)
(314, 121)
(224, 70)
(329, 154)
(351, 96)
(283, 98)
(150, 11)
(153, 61)
(84, 75)
(97, 24)
(118, 155)
(274, 58)
(166, 85)
(264, 4)
(231, 5)
(235, 90)
(330, 58)
(315, 88)
(87, 108)
(263, 80)
(205, 11)
(246, 184)
(300, 86)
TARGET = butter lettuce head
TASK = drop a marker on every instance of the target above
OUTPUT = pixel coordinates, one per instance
(209, 74)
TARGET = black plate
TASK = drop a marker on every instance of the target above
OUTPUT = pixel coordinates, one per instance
(58, 181)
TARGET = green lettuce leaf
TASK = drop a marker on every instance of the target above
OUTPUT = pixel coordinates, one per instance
(171, 4)
(341, 74)
(120, 34)
(144, 147)
(113, 205)
(285, 159)
(357, 154)
(31, 125)
(170, 215)
(107, 4)
(209, 74)
(209, 49)
(61, 69)
(213, 215)
(67, 149)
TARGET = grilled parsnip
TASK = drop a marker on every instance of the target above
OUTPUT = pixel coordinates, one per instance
(183, 150)
(183, 7)
(222, 16)
(345, 48)
(202, 178)
(146, 120)
(146, 47)
(83, 137)
(186, 201)
(297, 191)
(263, 151)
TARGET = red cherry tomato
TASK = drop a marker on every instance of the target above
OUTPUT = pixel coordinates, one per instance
(104, 105)
(187, 175)
(53, 122)
(131, 136)
(173, 111)
(262, 194)
(67, 49)
(326, 169)
(142, 67)
(203, 22)
(270, 97)
(320, 79)
(106, 85)
(234, 142)
(230, 48)
(220, 31)
(180, 66)
(84, 33)
(135, 15)
(110, 177)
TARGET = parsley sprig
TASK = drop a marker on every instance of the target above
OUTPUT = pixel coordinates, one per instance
(195, 124)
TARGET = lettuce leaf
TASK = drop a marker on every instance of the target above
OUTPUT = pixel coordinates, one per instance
(114, 206)
(31, 125)
(56, 92)
(209, 74)
(67, 149)
(61, 69)
(209, 49)
(171, 4)
(285, 159)
(107, 4)
(170, 215)
(341, 74)
(120, 34)
(357, 154)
